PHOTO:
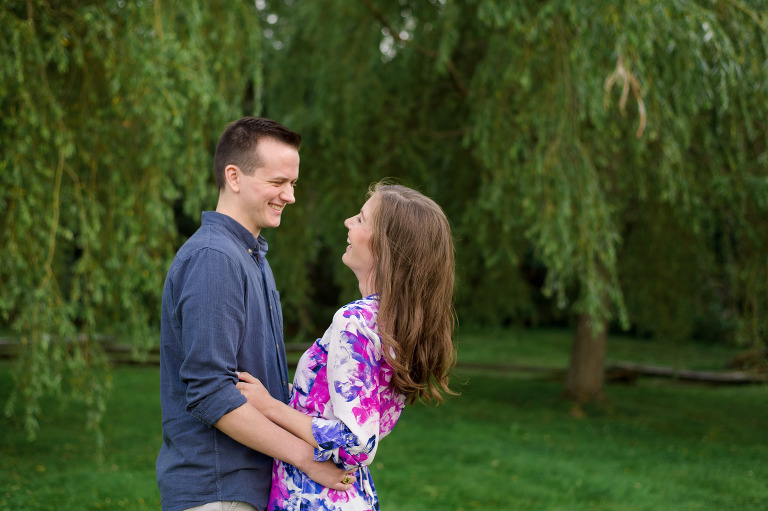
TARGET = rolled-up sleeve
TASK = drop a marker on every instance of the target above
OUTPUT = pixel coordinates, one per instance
(213, 311)
(353, 380)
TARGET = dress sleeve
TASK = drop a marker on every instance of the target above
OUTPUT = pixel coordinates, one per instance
(353, 372)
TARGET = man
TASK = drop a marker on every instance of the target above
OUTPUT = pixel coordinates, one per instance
(221, 315)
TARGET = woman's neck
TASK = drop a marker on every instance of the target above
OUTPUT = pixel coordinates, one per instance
(366, 291)
(367, 287)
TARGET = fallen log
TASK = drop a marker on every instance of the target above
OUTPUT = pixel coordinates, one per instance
(721, 377)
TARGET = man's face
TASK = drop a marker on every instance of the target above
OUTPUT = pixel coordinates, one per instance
(265, 193)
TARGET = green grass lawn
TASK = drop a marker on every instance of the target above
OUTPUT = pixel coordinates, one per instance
(507, 442)
(510, 443)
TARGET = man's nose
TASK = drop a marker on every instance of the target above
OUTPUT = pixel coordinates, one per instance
(288, 194)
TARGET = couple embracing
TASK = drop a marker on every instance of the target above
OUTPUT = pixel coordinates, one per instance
(236, 433)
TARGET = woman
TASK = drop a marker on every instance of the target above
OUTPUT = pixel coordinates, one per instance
(391, 347)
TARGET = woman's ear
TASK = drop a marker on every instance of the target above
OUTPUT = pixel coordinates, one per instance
(232, 177)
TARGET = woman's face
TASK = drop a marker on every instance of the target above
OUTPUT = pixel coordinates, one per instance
(358, 256)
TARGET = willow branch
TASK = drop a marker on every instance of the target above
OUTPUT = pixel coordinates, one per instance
(749, 12)
(452, 69)
(48, 265)
(630, 83)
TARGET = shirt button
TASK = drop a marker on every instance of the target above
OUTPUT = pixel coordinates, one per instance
(283, 383)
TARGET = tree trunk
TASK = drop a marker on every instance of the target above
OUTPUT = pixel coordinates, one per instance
(586, 372)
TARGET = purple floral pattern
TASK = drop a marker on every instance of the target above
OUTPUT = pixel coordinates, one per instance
(343, 382)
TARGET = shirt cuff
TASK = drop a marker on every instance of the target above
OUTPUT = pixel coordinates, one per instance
(331, 435)
(216, 405)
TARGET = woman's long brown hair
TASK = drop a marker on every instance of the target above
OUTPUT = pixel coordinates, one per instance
(413, 255)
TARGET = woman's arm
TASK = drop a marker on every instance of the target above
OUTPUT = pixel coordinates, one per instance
(353, 367)
(275, 410)
(353, 373)
(249, 427)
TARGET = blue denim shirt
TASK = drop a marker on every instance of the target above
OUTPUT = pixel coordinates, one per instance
(220, 314)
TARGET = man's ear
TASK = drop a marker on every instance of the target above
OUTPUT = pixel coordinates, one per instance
(232, 177)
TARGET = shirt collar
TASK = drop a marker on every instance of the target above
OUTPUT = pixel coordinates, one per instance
(257, 244)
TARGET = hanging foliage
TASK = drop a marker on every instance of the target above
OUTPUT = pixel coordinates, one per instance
(602, 163)
(110, 112)
(565, 139)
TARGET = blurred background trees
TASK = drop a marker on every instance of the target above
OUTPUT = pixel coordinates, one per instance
(603, 164)
(110, 114)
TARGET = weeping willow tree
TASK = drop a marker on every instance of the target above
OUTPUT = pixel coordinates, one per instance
(602, 163)
(607, 156)
(110, 113)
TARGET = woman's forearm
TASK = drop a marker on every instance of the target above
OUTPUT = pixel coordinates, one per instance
(276, 411)
(291, 420)
(253, 429)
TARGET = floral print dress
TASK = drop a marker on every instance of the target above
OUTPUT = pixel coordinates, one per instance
(343, 382)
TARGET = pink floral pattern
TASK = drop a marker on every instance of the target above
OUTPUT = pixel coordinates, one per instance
(343, 382)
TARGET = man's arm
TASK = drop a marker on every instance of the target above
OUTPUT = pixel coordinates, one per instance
(275, 410)
(251, 428)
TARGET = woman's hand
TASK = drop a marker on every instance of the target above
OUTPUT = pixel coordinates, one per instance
(258, 396)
